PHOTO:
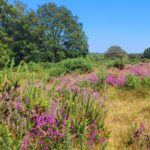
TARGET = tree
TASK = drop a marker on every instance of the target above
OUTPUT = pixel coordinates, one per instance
(63, 34)
(5, 54)
(146, 53)
(50, 34)
(115, 52)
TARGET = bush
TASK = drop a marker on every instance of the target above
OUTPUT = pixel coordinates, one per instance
(119, 64)
(115, 52)
(78, 64)
(146, 53)
(146, 81)
(133, 81)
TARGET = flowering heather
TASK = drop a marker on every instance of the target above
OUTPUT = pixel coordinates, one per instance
(19, 105)
(114, 81)
(74, 88)
(96, 94)
(59, 88)
(121, 80)
(53, 108)
(93, 78)
(103, 140)
(111, 80)
(93, 134)
(46, 129)
(25, 144)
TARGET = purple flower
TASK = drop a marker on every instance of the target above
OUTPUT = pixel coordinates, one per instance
(19, 105)
(142, 127)
(121, 80)
(111, 80)
(25, 144)
(96, 95)
(59, 88)
(53, 108)
(74, 88)
(93, 136)
(93, 78)
(45, 148)
(103, 140)
(40, 142)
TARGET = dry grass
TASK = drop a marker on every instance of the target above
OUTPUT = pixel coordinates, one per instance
(124, 109)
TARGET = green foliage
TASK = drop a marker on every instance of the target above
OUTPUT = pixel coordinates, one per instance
(5, 54)
(146, 53)
(134, 58)
(119, 63)
(115, 52)
(5, 138)
(133, 81)
(79, 64)
(146, 81)
(49, 35)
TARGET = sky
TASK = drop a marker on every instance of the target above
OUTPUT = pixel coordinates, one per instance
(109, 22)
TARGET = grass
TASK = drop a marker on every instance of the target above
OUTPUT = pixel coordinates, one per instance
(124, 110)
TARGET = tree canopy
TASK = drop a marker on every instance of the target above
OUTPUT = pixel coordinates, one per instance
(51, 33)
(146, 53)
(115, 52)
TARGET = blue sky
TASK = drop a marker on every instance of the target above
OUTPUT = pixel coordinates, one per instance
(109, 22)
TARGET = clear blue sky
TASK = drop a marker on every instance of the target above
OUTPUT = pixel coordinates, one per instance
(110, 22)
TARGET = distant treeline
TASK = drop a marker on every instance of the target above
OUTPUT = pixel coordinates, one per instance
(50, 34)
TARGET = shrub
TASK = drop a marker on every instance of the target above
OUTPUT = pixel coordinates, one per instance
(146, 81)
(133, 81)
(120, 64)
(115, 52)
(146, 53)
(79, 64)
(56, 71)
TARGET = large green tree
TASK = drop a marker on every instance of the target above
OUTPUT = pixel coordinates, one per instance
(50, 34)
(63, 34)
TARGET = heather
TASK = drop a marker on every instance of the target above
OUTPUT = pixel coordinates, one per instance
(73, 110)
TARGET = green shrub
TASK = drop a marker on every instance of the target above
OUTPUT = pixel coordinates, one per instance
(146, 53)
(132, 81)
(78, 64)
(56, 70)
(119, 64)
(146, 81)
(5, 138)
(115, 52)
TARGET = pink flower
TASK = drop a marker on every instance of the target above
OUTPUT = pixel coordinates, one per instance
(25, 144)
(19, 105)
(93, 78)
(103, 140)
(74, 88)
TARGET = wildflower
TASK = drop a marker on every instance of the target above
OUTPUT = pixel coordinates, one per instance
(103, 140)
(59, 88)
(142, 127)
(19, 105)
(53, 108)
(93, 78)
(121, 80)
(96, 95)
(111, 80)
(93, 136)
(74, 88)
(40, 142)
(25, 144)
(45, 148)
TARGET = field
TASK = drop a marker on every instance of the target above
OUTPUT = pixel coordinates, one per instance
(83, 103)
